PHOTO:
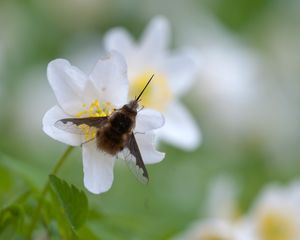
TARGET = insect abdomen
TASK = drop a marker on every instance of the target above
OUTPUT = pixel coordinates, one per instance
(113, 137)
(110, 141)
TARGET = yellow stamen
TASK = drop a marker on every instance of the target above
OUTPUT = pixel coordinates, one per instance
(211, 237)
(275, 226)
(95, 109)
(157, 95)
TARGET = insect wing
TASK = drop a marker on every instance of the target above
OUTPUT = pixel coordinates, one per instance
(80, 125)
(133, 158)
(76, 125)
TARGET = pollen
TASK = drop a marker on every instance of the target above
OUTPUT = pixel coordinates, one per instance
(88, 132)
(275, 226)
(157, 95)
(94, 109)
(211, 236)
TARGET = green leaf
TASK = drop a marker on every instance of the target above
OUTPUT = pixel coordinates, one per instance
(87, 233)
(55, 219)
(73, 201)
(11, 219)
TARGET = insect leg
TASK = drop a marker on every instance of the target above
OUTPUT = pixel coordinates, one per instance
(139, 133)
(142, 107)
(87, 141)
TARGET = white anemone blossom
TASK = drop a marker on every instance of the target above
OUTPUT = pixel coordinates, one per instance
(276, 213)
(94, 95)
(216, 229)
(174, 75)
(210, 229)
(222, 221)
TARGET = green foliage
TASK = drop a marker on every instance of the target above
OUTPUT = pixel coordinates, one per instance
(73, 201)
(237, 14)
(11, 219)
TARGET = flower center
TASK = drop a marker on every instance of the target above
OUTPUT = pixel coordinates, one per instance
(212, 237)
(274, 226)
(157, 95)
(95, 109)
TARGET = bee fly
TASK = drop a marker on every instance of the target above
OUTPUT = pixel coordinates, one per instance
(114, 133)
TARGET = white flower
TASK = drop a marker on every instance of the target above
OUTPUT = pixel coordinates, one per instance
(211, 229)
(222, 221)
(174, 73)
(104, 89)
(228, 75)
(222, 187)
(276, 213)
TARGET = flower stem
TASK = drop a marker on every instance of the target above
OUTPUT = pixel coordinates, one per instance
(45, 190)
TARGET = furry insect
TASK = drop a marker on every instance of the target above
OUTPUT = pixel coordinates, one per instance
(114, 134)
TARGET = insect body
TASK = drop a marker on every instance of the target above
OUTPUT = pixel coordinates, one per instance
(114, 133)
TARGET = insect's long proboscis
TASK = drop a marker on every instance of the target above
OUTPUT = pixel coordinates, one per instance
(137, 99)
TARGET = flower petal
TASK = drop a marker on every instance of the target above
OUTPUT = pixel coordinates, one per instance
(89, 93)
(181, 70)
(148, 119)
(119, 39)
(97, 168)
(50, 118)
(155, 39)
(110, 78)
(146, 143)
(180, 128)
(67, 83)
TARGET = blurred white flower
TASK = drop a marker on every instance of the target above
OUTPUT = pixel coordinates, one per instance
(274, 216)
(281, 96)
(222, 221)
(276, 213)
(210, 229)
(105, 89)
(225, 188)
(216, 229)
(248, 93)
(227, 72)
(174, 74)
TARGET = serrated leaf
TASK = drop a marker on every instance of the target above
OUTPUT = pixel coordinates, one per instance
(55, 219)
(73, 201)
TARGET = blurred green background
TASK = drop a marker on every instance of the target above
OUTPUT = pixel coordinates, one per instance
(250, 126)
